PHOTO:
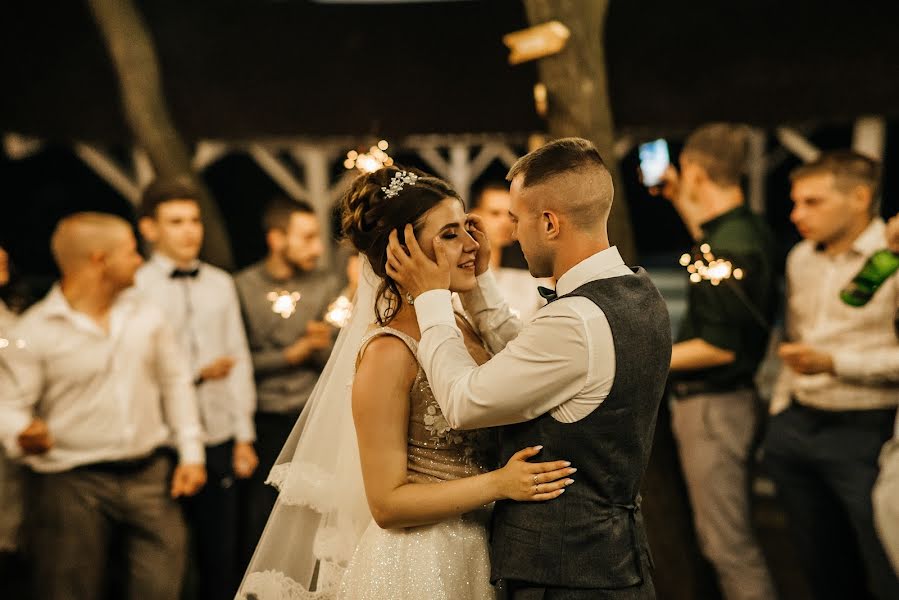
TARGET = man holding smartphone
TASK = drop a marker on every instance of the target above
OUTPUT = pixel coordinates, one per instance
(722, 340)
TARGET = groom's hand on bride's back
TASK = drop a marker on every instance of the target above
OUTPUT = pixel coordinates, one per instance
(533, 481)
(412, 269)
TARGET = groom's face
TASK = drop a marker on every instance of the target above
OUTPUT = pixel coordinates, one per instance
(525, 211)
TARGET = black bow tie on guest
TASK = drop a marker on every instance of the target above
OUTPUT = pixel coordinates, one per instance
(179, 273)
(547, 294)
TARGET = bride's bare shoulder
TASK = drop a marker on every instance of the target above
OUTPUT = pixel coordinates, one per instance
(386, 354)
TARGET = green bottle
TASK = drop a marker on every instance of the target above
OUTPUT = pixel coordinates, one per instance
(877, 269)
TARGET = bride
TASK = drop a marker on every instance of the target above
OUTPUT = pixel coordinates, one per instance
(379, 498)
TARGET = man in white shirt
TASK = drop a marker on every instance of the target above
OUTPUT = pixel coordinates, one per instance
(99, 388)
(200, 303)
(11, 473)
(835, 401)
(583, 379)
(886, 492)
(491, 203)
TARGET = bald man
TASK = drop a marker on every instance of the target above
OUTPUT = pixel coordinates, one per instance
(583, 379)
(97, 391)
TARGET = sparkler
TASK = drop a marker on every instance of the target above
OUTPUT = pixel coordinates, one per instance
(283, 302)
(339, 312)
(371, 161)
(707, 267)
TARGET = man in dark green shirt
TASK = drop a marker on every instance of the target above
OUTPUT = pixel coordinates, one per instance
(734, 314)
(722, 341)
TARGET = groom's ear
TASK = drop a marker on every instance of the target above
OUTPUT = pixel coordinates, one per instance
(550, 223)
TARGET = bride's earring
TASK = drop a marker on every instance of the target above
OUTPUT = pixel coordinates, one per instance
(410, 299)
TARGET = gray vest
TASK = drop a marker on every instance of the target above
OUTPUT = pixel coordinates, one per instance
(592, 536)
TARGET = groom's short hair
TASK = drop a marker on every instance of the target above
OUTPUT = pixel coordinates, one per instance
(582, 184)
(555, 158)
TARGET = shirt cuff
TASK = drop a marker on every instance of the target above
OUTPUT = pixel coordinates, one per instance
(17, 424)
(191, 453)
(435, 307)
(244, 431)
(12, 449)
(847, 365)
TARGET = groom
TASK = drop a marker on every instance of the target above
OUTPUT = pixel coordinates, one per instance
(584, 378)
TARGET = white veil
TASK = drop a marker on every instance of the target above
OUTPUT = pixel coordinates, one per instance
(321, 511)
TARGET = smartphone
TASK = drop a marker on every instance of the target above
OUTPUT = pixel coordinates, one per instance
(654, 161)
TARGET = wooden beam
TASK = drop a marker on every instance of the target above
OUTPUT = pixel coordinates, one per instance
(207, 153)
(316, 167)
(280, 174)
(797, 143)
(757, 171)
(869, 136)
(110, 171)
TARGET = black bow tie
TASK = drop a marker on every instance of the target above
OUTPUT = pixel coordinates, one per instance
(547, 294)
(179, 273)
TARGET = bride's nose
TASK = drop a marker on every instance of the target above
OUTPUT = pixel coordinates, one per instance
(469, 244)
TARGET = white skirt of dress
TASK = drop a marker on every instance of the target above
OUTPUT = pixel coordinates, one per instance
(446, 561)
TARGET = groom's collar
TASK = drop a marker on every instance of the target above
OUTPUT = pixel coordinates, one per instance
(589, 269)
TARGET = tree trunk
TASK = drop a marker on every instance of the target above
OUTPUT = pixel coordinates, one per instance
(579, 104)
(134, 58)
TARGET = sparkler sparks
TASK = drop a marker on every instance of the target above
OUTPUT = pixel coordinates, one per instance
(283, 302)
(708, 268)
(339, 312)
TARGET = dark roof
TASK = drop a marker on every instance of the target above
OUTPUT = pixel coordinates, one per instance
(248, 69)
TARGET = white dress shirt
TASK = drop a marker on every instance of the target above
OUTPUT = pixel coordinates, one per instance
(562, 362)
(861, 340)
(205, 314)
(104, 396)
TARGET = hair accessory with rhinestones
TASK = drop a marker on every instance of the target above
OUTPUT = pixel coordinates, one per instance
(401, 179)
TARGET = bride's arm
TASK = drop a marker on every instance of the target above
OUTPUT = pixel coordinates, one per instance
(493, 318)
(381, 415)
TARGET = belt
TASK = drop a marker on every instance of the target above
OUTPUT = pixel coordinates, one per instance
(861, 416)
(123, 467)
(683, 389)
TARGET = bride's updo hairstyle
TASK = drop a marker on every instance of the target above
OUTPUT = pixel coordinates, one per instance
(376, 204)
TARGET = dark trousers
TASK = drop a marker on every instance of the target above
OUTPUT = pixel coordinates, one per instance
(212, 518)
(824, 465)
(272, 431)
(75, 514)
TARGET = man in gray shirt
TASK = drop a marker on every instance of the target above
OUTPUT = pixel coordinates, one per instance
(283, 299)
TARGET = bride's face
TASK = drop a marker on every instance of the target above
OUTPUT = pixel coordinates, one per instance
(448, 220)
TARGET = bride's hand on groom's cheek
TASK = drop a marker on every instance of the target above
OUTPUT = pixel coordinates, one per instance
(475, 227)
(410, 267)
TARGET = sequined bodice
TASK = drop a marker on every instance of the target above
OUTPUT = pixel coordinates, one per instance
(435, 451)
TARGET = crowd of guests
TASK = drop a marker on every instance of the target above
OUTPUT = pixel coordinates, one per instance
(143, 403)
(833, 407)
